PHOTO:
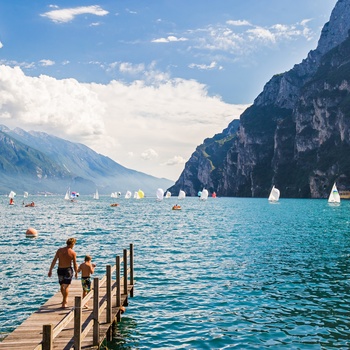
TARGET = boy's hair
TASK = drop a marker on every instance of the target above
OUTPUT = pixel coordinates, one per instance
(71, 241)
(87, 258)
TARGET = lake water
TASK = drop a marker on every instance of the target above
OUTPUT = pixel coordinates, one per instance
(220, 274)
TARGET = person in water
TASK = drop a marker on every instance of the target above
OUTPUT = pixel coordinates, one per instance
(65, 256)
(86, 269)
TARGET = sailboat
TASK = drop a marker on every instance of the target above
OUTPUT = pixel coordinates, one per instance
(274, 194)
(67, 196)
(141, 194)
(127, 194)
(204, 195)
(160, 194)
(96, 195)
(182, 194)
(334, 197)
(25, 194)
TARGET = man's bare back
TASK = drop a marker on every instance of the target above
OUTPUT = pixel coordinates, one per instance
(65, 257)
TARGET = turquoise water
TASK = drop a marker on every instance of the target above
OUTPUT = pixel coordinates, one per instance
(221, 274)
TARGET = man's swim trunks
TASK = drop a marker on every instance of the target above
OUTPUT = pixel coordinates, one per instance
(86, 284)
(65, 275)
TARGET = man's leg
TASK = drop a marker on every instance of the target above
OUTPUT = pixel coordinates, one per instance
(64, 291)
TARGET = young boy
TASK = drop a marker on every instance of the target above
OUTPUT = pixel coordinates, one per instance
(86, 269)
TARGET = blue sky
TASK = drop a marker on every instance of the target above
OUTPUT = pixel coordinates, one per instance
(145, 82)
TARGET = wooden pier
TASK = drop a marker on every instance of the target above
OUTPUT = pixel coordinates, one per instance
(77, 327)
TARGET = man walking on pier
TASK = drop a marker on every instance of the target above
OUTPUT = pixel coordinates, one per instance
(65, 257)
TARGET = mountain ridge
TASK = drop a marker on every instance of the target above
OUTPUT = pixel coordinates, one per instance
(294, 136)
(64, 164)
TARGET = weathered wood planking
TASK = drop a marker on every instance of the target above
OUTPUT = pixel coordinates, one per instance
(29, 335)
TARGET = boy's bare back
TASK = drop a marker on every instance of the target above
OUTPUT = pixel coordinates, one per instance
(86, 269)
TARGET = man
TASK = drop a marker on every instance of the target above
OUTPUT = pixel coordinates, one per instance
(65, 257)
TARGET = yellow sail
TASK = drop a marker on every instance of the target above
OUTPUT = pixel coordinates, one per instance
(141, 194)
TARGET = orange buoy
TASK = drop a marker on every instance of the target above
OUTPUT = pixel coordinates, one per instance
(31, 232)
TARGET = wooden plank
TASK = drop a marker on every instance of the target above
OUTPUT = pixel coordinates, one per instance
(60, 322)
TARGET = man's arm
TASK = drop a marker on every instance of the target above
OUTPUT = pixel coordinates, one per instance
(75, 265)
(53, 264)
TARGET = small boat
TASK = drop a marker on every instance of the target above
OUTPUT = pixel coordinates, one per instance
(12, 196)
(204, 195)
(32, 204)
(176, 207)
(160, 194)
(334, 197)
(274, 194)
(67, 196)
(96, 195)
(182, 194)
(114, 204)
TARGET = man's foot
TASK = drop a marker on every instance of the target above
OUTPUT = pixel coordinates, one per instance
(64, 305)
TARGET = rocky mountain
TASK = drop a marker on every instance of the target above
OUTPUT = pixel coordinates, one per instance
(39, 162)
(295, 136)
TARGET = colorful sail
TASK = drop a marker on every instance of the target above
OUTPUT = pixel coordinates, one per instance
(334, 196)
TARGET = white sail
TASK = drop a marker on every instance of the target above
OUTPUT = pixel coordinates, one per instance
(204, 195)
(127, 194)
(274, 194)
(334, 196)
(25, 194)
(12, 194)
(113, 195)
(160, 194)
(167, 194)
(96, 195)
(136, 195)
(67, 196)
(182, 194)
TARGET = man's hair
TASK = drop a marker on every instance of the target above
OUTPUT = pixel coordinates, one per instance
(71, 241)
(87, 258)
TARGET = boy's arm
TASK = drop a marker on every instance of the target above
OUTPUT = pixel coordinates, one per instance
(75, 265)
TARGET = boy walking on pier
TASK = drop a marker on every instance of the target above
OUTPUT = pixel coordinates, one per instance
(65, 257)
(86, 269)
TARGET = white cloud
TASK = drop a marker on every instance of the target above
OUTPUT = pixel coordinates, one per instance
(126, 67)
(175, 161)
(168, 39)
(238, 23)
(46, 63)
(149, 154)
(211, 66)
(1, 45)
(68, 14)
(240, 38)
(163, 117)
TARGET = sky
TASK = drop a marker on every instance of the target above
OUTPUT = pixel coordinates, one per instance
(145, 82)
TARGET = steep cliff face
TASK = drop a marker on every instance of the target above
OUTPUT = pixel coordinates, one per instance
(295, 135)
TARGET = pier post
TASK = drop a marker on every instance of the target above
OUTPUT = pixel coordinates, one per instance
(109, 294)
(118, 296)
(96, 326)
(125, 268)
(77, 323)
(132, 269)
(47, 343)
